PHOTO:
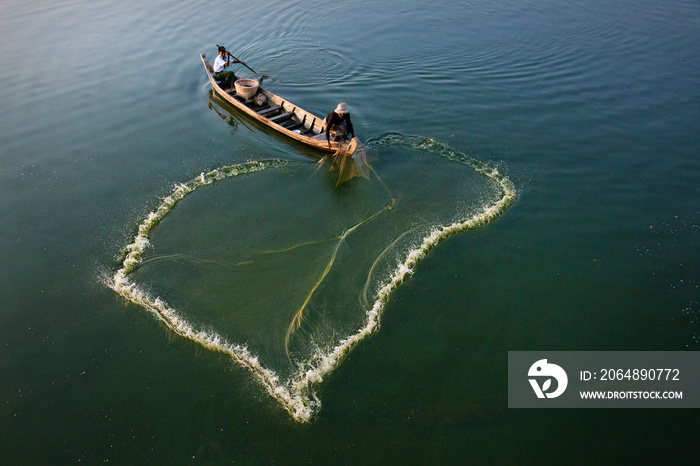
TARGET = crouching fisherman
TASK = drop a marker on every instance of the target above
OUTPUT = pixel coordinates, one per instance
(338, 122)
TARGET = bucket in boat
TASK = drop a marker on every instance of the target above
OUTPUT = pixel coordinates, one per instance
(246, 88)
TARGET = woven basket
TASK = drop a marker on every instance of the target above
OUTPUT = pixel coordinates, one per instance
(246, 88)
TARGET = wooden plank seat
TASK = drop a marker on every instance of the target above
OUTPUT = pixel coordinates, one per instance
(267, 111)
(281, 117)
(294, 126)
(264, 108)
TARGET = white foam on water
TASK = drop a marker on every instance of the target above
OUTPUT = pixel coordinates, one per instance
(296, 395)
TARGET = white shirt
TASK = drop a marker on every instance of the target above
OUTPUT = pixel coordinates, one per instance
(219, 64)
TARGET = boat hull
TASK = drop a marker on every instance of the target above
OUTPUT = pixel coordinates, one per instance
(282, 116)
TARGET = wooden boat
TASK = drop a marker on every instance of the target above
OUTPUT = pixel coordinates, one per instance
(282, 116)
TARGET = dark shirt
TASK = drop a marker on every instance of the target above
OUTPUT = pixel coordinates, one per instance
(335, 119)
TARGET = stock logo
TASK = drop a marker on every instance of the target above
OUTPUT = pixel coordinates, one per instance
(545, 372)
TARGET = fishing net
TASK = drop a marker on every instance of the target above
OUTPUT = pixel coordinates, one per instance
(286, 276)
(350, 166)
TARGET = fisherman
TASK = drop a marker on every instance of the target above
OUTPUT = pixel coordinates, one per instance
(223, 60)
(338, 122)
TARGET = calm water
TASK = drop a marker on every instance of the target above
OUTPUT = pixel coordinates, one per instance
(591, 109)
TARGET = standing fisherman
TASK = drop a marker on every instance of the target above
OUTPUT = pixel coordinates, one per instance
(222, 61)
